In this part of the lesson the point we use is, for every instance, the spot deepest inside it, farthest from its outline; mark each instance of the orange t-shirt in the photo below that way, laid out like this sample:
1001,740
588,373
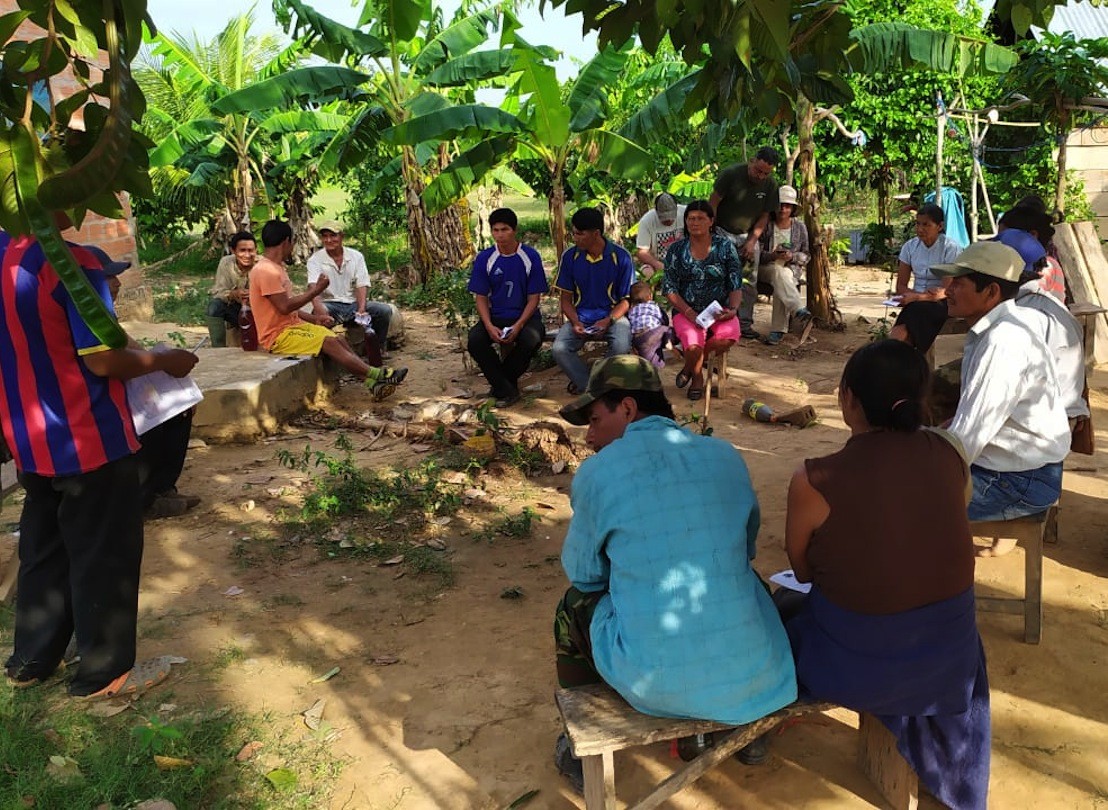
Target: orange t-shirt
266,278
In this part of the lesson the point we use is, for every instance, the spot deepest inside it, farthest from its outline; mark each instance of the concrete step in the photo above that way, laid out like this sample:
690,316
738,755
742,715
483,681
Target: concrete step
248,394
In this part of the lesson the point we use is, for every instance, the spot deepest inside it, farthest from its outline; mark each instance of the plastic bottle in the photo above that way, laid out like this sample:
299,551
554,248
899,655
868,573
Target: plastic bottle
247,329
758,411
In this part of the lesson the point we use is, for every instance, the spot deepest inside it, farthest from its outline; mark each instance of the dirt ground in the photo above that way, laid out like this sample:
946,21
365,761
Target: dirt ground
465,716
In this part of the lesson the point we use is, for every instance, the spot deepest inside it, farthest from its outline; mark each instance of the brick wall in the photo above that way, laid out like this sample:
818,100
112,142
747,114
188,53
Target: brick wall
115,236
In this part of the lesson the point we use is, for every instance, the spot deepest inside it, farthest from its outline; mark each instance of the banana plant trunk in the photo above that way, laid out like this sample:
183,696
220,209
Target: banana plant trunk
556,203
437,243
305,241
821,301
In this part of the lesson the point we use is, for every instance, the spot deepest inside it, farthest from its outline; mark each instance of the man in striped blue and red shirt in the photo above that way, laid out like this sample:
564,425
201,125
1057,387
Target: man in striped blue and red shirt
67,423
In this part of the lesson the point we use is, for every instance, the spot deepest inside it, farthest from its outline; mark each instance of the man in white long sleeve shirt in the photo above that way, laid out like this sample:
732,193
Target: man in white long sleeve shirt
1011,419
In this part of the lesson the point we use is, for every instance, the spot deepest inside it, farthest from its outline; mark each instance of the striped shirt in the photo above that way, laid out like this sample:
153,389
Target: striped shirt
59,418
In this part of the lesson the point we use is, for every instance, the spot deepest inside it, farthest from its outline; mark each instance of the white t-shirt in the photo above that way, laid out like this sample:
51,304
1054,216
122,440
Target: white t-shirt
344,280
656,237
922,258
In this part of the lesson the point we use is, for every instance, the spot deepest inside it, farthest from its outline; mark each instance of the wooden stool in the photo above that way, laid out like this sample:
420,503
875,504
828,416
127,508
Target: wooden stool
881,762
718,361
599,722
1031,531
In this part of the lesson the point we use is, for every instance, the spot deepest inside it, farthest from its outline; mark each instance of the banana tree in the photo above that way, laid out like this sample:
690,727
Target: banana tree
214,154
401,43
536,120
50,164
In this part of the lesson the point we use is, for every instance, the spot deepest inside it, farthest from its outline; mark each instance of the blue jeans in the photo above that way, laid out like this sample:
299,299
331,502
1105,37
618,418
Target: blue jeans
568,344
1008,495
380,315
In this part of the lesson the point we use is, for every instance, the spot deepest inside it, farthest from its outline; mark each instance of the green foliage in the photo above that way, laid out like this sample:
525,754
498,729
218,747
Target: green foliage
517,526
877,242
446,292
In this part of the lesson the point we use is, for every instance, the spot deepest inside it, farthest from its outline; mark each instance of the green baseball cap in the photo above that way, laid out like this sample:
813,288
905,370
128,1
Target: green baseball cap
624,372
988,258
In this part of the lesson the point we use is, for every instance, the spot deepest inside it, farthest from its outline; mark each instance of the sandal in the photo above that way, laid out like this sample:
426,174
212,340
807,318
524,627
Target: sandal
136,681
801,417
683,378
695,393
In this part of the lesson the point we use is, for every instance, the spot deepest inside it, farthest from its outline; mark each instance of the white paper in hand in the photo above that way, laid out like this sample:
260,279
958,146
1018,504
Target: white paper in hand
708,316
156,398
787,579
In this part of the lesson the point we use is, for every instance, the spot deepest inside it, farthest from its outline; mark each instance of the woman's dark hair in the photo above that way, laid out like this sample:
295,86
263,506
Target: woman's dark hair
588,219
1029,218
504,216
1008,289
890,380
932,212
275,232
698,205
241,236
651,403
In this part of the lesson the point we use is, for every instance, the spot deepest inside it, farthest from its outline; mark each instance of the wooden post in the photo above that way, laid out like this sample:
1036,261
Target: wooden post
880,760
975,145
941,108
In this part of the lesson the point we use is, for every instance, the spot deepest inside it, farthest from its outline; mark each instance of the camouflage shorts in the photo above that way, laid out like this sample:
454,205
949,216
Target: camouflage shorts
572,644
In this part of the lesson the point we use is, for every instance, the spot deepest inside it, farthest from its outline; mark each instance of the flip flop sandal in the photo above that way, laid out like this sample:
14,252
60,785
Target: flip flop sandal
683,378
801,417
27,684
695,393
135,682
573,389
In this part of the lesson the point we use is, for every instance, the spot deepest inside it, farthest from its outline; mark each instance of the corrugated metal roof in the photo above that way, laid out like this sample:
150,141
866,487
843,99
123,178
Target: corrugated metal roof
1085,20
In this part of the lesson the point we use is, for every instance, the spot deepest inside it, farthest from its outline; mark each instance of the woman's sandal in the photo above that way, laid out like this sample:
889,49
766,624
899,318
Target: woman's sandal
695,393
683,379
136,681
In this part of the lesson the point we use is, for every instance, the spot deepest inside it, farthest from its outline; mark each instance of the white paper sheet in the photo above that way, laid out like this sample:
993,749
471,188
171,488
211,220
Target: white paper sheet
787,579
156,398
708,315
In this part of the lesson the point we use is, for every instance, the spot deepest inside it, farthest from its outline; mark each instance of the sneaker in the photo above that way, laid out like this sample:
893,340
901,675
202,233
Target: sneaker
384,384
773,338
568,765
754,753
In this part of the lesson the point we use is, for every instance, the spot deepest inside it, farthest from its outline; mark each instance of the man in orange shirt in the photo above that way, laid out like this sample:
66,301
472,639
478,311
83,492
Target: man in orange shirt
282,329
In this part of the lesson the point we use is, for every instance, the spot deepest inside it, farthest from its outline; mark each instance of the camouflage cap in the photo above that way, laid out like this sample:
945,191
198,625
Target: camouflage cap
624,372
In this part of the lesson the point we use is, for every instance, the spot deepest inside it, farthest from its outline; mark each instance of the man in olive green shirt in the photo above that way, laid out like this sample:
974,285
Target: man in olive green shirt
744,197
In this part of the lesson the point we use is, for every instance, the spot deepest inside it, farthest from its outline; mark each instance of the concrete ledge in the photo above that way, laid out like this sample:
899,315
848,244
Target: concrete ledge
248,394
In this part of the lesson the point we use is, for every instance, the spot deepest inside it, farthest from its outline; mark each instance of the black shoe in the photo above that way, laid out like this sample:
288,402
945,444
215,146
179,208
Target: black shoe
754,753
568,765
508,399
751,334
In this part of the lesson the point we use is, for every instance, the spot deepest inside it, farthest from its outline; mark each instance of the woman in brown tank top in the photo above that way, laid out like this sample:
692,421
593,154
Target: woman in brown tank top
880,530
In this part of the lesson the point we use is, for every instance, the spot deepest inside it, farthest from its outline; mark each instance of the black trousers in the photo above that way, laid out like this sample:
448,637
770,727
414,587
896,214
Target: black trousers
923,320
80,552
162,456
503,375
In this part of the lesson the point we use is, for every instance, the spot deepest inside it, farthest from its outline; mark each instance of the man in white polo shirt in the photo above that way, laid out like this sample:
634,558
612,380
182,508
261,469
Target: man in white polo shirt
345,297
1011,418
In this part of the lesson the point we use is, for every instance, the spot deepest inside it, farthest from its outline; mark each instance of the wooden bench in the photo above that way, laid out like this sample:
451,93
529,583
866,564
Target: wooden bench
599,723
1031,532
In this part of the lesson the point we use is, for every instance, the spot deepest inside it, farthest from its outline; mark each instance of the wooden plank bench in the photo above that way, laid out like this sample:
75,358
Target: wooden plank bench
599,723
1030,532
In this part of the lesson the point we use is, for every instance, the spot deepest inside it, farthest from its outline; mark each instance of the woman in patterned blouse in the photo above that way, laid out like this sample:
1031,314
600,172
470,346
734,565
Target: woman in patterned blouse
701,270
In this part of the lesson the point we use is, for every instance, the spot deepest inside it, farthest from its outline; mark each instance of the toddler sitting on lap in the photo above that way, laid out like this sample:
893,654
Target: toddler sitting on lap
649,325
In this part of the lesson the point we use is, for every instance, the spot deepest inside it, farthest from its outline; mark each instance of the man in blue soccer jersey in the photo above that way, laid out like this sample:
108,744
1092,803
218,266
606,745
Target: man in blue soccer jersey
507,282
594,279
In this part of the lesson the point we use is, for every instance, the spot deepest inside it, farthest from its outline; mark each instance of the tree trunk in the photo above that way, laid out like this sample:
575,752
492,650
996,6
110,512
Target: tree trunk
821,301
556,203
305,241
1062,136
427,253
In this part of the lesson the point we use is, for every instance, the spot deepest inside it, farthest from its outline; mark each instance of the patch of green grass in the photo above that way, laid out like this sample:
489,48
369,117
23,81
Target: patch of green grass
518,526
183,303
111,759
228,655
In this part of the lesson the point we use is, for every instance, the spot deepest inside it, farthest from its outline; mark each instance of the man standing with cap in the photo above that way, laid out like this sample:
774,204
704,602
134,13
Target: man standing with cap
662,591
1011,418
743,198
659,228
345,297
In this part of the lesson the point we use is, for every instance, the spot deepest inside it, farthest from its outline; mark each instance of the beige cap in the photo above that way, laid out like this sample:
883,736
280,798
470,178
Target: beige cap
988,258
787,194
332,225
